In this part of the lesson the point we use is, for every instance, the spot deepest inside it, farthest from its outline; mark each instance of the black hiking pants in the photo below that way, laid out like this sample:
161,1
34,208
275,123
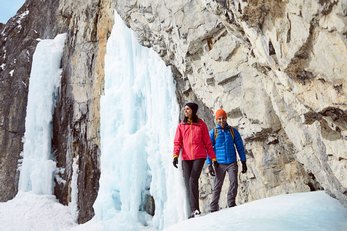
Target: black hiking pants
191,173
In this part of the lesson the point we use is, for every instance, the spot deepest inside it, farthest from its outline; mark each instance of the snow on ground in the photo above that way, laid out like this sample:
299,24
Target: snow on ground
313,211
31,212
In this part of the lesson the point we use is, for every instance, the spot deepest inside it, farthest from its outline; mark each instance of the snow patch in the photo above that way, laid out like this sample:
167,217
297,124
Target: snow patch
29,211
22,16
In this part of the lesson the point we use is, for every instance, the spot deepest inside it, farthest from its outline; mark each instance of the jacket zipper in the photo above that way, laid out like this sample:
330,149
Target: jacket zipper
191,142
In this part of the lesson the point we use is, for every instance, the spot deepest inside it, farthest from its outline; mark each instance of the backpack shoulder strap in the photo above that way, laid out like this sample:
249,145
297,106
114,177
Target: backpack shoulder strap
232,132
215,134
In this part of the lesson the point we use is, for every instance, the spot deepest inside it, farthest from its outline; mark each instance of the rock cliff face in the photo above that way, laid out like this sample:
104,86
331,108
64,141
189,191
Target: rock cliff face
277,67
76,119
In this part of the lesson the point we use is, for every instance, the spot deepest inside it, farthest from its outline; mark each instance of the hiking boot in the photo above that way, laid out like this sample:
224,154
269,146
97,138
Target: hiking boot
232,205
196,213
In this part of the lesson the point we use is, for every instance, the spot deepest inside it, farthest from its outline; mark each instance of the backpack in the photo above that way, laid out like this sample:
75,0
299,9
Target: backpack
216,133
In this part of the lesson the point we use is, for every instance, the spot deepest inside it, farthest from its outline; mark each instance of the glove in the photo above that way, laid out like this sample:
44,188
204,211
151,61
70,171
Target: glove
175,162
244,167
211,170
215,164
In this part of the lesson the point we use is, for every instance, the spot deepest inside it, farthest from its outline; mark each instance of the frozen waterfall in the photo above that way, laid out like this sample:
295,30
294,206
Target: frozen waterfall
139,114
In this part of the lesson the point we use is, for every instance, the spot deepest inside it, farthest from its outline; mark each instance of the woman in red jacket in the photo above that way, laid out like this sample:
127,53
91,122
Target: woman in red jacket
193,139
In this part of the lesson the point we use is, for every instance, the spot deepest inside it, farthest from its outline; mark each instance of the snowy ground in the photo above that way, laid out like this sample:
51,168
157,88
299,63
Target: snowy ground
314,211
29,211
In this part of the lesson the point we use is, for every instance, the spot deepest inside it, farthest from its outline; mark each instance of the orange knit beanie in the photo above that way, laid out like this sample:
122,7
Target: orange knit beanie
221,112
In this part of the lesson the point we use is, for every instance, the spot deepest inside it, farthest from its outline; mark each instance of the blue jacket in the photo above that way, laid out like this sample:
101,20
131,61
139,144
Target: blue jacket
224,145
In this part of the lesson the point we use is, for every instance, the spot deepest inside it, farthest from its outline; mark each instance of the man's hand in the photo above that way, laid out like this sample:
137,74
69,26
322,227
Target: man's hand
244,167
215,164
211,170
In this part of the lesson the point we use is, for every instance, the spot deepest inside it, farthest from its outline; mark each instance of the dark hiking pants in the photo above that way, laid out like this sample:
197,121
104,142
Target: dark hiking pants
191,173
231,169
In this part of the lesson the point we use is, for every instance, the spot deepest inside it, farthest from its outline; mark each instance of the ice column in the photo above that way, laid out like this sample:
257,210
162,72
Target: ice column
139,114
38,166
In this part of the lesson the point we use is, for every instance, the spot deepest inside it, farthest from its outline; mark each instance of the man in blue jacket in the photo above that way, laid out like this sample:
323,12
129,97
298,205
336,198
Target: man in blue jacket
224,140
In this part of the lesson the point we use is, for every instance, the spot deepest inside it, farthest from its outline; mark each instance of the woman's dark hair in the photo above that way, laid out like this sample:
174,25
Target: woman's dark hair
194,107
195,119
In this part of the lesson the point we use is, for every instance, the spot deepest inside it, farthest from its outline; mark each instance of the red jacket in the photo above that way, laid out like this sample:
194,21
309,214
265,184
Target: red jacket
194,140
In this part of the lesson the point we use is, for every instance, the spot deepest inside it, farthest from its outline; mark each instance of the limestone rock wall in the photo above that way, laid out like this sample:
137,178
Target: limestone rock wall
76,121
276,67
